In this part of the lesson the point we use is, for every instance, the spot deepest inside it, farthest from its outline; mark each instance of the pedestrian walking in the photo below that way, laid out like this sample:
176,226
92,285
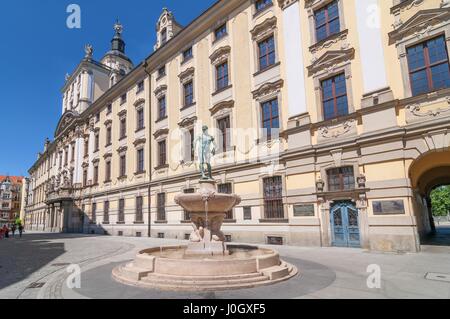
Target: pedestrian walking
13,230
20,230
1,233
6,231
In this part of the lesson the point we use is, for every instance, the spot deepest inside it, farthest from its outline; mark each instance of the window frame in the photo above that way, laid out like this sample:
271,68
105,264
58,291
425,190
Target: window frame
267,54
122,165
428,65
187,95
162,153
327,22
268,133
221,77
223,29
160,114
161,207
334,96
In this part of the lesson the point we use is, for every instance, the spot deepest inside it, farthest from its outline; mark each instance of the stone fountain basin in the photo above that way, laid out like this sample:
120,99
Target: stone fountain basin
170,268
173,261
218,203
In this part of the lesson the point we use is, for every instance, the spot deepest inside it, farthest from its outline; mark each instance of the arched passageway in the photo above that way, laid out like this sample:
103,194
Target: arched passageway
428,173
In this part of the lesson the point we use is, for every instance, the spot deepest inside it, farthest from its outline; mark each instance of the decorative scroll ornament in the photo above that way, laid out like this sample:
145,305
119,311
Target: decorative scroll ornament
337,130
417,110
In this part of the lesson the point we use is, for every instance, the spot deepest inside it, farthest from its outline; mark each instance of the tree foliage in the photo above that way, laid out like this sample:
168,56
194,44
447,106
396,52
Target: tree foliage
440,199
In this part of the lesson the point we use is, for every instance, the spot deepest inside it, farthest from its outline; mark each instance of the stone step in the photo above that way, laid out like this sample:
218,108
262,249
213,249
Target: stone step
205,278
134,273
194,283
276,272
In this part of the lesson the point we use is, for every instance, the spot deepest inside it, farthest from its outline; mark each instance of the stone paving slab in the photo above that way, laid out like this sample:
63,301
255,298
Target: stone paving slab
324,272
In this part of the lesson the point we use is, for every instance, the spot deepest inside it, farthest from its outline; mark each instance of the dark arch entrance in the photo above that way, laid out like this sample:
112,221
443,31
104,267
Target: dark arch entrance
427,174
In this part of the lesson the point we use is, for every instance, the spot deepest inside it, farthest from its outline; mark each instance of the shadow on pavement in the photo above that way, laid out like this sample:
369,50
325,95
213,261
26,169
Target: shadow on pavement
440,238
21,257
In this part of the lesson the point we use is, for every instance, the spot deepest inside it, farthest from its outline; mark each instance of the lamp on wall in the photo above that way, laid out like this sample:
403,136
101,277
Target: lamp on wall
320,184
361,181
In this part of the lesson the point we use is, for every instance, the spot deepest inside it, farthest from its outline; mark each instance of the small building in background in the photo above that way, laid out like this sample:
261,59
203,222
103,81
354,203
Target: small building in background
10,198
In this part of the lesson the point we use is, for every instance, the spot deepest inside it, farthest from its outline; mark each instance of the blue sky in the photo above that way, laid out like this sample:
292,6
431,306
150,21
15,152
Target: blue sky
37,50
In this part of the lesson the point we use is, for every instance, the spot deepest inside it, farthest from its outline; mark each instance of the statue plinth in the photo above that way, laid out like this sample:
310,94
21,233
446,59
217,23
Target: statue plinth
207,209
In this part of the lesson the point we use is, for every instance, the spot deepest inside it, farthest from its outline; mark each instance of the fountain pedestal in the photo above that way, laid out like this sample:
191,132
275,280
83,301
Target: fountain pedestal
207,209
207,263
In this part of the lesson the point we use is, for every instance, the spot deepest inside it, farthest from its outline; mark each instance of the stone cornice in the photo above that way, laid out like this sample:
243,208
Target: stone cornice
267,89
264,29
122,149
220,55
329,59
139,102
160,90
221,106
283,4
188,122
107,155
122,113
187,74
421,22
161,132
139,141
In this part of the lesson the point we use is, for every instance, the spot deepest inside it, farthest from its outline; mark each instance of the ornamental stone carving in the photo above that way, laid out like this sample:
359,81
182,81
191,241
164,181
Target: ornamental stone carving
427,109
420,24
187,75
339,37
220,55
330,60
268,89
139,102
335,131
225,105
264,29
187,122
160,91
286,3
161,132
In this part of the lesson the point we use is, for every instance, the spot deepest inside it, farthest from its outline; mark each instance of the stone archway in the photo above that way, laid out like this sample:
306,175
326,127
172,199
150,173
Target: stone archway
429,171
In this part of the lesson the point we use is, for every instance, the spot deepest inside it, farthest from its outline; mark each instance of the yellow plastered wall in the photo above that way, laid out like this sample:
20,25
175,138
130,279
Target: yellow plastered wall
300,181
385,171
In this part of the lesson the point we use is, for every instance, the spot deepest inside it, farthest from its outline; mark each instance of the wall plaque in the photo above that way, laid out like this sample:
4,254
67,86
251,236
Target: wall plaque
388,207
304,210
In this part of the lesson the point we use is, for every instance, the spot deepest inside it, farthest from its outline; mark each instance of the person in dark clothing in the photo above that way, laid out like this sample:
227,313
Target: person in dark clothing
6,231
20,230
13,230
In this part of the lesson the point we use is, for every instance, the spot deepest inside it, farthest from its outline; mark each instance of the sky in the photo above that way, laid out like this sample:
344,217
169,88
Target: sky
37,49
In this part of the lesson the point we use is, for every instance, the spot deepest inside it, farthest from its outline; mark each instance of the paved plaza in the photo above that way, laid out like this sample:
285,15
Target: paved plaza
35,266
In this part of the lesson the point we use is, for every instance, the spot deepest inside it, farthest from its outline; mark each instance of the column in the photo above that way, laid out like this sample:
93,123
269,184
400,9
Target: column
294,64
371,45
79,142
91,150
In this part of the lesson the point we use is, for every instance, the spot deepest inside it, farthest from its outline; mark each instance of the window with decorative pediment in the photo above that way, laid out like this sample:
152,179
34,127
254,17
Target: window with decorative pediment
265,36
332,74
428,66
220,60
423,43
326,19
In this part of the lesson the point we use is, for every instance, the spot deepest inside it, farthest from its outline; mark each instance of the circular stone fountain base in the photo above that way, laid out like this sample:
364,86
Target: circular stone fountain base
170,268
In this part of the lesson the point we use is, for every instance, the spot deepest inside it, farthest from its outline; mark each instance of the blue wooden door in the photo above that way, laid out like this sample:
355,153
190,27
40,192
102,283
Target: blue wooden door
345,225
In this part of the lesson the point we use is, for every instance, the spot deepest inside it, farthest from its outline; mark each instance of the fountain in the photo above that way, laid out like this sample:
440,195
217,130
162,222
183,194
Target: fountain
207,263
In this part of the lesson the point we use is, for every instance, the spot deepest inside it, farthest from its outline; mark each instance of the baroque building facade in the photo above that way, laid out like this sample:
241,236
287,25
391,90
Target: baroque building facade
10,199
330,117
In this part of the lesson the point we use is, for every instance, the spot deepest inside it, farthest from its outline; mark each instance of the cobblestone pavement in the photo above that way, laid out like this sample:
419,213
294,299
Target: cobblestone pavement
40,258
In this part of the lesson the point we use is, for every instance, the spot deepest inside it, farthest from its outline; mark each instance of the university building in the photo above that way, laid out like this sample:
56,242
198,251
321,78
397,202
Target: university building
331,119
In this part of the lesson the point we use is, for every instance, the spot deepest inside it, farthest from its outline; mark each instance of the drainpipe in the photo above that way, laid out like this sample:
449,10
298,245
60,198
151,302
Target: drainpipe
149,230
